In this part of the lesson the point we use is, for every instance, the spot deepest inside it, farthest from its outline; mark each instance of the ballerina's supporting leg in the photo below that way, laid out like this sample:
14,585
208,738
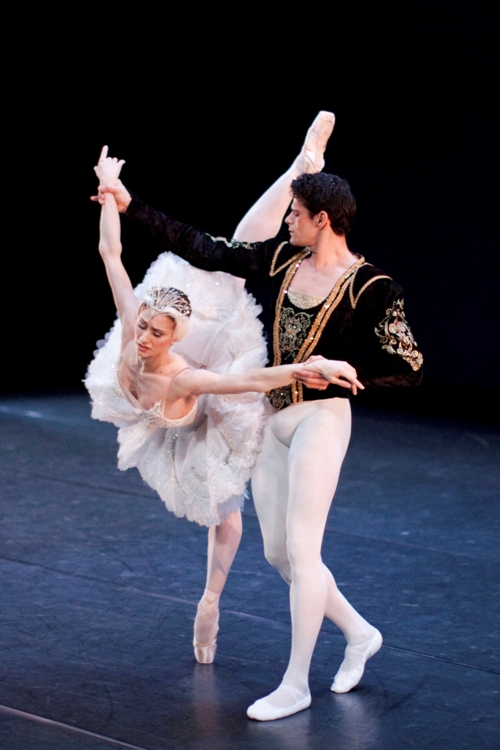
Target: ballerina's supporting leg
264,218
317,448
223,543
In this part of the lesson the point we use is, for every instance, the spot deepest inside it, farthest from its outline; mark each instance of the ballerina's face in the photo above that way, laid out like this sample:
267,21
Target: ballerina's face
153,333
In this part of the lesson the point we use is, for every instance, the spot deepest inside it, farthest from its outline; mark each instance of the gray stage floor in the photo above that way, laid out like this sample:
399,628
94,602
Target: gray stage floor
100,583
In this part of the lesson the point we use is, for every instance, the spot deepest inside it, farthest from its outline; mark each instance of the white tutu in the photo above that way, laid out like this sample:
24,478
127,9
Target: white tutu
200,470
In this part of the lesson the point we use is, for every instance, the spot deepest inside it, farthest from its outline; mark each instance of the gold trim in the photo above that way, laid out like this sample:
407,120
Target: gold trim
273,270
277,313
355,300
300,389
322,318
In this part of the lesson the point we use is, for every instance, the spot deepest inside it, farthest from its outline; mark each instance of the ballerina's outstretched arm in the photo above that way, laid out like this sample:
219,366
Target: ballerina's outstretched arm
195,382
110,246
264,219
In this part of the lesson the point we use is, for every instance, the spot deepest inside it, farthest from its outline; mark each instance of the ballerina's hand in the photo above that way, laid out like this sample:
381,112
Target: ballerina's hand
108,170
336,372
309,378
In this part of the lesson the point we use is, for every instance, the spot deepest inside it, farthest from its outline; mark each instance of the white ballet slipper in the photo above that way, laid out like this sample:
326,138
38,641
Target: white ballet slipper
263,710
311,158
345,680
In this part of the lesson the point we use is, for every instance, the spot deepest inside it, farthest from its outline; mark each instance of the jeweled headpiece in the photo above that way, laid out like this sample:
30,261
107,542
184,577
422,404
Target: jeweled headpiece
171,302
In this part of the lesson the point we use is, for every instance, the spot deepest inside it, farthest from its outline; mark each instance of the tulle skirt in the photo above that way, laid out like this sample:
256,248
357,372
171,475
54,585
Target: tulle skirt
200,470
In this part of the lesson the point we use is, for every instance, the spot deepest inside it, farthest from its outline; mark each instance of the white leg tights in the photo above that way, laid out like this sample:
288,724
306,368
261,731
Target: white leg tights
223,543
293,487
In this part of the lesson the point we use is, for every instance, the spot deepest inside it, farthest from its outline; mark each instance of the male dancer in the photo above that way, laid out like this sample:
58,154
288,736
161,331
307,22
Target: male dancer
318,299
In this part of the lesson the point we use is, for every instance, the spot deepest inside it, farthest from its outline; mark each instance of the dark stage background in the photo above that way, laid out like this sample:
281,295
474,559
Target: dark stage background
205,127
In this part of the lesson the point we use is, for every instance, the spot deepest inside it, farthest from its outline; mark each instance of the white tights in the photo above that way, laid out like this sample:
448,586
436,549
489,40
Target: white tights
223,543
293,485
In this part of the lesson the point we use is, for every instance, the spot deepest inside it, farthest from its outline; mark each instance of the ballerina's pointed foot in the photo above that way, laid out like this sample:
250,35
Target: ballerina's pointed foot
205,652
206,627
352,668
284,701
311,158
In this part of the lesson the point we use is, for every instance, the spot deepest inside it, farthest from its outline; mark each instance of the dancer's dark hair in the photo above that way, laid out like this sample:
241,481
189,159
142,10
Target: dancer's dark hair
330,193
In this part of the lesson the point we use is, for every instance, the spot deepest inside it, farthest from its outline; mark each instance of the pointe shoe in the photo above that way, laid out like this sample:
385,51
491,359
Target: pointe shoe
311,158
262,710
205,653
345,681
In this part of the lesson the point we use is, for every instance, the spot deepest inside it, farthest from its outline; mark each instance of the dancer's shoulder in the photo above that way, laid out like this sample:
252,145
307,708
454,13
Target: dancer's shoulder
370,281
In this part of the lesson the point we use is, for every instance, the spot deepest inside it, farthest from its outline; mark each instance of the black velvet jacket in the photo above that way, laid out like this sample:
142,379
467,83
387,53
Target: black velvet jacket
362,321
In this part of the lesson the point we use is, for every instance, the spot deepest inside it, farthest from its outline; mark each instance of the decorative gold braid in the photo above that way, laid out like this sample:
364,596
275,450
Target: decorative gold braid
273,270
322,318
318,326
351,286
300,389
355,300
279,304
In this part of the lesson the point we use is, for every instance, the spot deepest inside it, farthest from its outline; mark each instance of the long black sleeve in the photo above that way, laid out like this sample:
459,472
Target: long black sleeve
249,260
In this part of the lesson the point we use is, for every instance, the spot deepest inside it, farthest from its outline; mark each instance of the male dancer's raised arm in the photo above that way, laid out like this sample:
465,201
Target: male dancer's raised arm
246,260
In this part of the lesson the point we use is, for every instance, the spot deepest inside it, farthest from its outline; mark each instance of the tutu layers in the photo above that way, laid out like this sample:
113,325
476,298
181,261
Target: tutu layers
199,470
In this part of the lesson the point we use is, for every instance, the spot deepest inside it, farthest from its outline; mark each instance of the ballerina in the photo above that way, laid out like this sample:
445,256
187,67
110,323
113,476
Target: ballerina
173,417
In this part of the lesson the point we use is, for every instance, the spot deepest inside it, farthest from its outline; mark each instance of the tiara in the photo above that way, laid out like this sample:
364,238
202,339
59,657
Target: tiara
165,300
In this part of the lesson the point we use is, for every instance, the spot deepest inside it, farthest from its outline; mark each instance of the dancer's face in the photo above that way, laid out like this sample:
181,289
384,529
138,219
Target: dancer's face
302,226
153,333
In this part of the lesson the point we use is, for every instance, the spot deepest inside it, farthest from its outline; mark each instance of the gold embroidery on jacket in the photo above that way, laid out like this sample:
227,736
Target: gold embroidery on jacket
293,330
231,243
396,337
294,327
314,334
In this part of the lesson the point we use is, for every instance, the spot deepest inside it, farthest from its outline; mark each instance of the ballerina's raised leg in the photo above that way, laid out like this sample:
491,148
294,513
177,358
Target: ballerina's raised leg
264,218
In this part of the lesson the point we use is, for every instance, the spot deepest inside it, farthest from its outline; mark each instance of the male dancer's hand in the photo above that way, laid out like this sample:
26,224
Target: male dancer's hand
108,170
333,371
